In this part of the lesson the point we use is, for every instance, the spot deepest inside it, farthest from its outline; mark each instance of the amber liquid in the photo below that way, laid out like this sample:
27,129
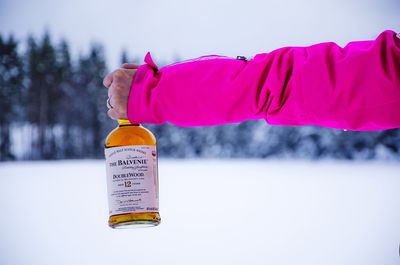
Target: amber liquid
131,134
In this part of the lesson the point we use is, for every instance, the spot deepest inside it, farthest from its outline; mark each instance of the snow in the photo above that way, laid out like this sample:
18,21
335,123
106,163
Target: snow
213,212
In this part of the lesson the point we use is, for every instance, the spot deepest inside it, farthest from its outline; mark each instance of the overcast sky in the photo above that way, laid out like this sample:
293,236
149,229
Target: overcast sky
194,28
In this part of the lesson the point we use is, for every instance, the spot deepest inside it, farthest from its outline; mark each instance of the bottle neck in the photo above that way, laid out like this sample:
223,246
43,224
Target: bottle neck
122,122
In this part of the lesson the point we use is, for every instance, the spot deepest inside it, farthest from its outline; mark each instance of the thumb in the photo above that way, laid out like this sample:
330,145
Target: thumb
130,66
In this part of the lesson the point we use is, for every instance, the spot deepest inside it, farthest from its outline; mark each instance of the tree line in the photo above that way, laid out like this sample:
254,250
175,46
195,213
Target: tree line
53,107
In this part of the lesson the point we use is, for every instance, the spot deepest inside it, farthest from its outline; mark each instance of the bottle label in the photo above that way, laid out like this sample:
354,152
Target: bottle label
132,181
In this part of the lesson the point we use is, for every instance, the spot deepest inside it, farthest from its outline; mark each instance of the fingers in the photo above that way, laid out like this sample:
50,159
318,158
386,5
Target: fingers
122,81
118,103
119,84
108,79
115,115
118,93
117,107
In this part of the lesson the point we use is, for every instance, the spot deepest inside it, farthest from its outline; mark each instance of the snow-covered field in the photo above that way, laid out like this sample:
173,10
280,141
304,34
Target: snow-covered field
213,212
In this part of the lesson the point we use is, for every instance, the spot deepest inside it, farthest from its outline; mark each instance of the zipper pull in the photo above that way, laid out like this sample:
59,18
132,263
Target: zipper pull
243,58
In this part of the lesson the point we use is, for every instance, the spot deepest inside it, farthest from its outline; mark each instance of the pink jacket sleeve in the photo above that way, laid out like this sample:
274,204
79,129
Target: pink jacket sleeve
356,87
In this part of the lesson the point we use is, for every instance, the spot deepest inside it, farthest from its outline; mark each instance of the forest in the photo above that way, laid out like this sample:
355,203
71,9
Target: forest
53,106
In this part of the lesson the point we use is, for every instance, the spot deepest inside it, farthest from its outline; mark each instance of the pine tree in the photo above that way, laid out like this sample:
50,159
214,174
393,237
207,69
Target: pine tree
66,110
91,101
44,96
125,58
11,93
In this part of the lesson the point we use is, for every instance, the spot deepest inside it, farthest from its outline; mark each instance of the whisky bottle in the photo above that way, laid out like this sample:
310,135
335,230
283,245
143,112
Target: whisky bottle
132,176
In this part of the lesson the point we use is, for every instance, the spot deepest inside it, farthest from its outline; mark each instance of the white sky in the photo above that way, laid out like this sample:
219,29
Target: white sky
198,27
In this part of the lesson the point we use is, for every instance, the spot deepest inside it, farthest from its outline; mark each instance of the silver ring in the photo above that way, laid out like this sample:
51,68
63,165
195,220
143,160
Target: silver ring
109,104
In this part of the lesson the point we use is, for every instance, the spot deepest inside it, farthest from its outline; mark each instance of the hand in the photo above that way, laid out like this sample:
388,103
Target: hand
119,84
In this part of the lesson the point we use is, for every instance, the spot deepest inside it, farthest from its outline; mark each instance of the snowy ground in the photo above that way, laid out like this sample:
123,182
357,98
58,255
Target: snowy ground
213,212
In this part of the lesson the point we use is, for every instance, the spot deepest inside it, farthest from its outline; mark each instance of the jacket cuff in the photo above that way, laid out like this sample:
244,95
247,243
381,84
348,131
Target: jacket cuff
140,90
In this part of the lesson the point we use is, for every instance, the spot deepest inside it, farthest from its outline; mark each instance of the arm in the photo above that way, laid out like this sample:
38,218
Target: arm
356,87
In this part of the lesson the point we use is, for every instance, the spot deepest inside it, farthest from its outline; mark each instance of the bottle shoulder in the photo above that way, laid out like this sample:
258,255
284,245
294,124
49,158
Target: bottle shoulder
130,135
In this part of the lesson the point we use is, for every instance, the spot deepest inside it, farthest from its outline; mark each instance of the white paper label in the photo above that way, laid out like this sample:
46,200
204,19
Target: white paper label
132,181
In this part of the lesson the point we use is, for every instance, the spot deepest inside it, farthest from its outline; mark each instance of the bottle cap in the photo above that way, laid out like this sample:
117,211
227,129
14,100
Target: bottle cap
126,122
123,122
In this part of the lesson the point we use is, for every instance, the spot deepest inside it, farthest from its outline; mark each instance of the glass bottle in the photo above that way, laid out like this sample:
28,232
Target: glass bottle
132,176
